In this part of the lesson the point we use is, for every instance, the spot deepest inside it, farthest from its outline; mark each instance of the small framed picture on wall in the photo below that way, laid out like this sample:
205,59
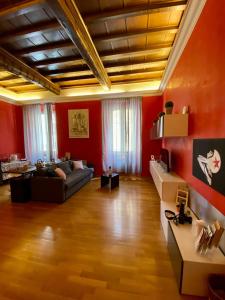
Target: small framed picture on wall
78,120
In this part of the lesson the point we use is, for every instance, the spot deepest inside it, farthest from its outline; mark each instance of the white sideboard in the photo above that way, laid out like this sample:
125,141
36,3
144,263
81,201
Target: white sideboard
166,183
191,268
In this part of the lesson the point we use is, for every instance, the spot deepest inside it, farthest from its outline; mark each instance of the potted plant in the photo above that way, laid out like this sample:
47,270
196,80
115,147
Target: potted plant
169,107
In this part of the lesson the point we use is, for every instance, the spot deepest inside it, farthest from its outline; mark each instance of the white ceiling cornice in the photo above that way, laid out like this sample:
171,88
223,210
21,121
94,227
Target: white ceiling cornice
98,97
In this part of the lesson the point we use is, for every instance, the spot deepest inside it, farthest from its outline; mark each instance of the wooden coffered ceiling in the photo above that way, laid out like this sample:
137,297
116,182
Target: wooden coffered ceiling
63,46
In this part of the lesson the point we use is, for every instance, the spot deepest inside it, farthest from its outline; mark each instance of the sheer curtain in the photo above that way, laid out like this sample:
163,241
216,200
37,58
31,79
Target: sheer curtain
40,132
121,134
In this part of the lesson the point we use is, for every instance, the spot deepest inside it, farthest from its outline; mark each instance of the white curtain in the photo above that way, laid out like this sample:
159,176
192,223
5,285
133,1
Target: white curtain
40,132
121,134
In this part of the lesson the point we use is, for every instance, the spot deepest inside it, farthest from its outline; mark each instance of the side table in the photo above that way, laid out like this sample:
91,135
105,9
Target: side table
20,188
111,180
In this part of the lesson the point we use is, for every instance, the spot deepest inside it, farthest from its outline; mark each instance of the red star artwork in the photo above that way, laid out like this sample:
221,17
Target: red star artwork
216,162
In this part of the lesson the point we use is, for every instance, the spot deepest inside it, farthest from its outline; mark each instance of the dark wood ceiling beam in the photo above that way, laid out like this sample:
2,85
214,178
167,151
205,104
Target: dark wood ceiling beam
76,60
21,8
135,52
148,79
105,38
133,72
108,67
42,48
8,78
105,56
19,68
70,18
66,70
121,36
29,31
18,84
115,67
72,78
114,83
135,11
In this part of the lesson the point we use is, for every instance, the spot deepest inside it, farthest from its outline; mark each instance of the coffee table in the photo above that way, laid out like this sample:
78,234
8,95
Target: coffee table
110,180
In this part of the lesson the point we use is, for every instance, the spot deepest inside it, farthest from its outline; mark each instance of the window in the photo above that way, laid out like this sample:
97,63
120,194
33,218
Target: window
122,135
43,126
40,132
116,131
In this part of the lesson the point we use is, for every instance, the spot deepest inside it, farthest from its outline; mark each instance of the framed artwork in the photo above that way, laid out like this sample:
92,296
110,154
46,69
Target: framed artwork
209,162
78,123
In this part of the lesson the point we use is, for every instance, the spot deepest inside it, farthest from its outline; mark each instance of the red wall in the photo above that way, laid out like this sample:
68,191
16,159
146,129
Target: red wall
89,149
199,81
151,106
11,129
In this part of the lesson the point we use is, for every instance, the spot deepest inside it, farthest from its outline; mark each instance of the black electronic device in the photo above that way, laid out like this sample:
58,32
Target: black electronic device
180,218
165,159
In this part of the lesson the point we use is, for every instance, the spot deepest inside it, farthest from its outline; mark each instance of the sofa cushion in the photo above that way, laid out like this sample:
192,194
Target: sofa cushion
59,172
78,164
66,167
76,176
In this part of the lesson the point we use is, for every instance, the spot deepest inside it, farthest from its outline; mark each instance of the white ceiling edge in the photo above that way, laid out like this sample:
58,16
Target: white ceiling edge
146,88
8,100
8,96
191,15
93,97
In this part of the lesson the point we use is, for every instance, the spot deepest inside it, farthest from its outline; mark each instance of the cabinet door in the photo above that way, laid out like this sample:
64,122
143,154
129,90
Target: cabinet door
175,256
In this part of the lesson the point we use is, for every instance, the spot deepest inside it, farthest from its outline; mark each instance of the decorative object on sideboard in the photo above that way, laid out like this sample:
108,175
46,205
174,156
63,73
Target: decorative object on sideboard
209,237
182,197
169,107
180,218
67,156
110,171
13,157
208,163
39,164
185,109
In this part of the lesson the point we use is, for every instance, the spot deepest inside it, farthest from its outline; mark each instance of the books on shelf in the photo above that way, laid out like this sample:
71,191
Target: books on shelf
209,237
217,234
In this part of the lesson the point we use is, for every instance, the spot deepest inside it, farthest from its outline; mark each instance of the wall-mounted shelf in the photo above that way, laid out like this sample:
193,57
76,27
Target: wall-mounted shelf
174,125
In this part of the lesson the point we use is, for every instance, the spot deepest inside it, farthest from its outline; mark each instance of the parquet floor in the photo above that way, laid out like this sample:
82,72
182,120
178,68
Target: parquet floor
99,245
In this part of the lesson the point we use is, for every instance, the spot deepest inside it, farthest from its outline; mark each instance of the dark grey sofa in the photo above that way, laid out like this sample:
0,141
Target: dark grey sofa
45,186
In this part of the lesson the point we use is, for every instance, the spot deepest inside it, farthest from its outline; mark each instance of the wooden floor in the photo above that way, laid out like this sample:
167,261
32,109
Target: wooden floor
99,245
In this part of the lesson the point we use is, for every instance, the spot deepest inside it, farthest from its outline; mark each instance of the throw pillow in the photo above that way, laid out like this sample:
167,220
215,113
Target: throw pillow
59,172
78,164
65,166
